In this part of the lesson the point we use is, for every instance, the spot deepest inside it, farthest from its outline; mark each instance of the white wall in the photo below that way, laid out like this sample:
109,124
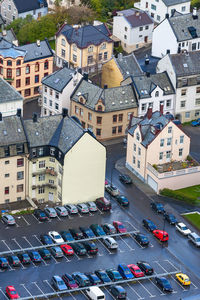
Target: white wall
165,64
42,10
10,107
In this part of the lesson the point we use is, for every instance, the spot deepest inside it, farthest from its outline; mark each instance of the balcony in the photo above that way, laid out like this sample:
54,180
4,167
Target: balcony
47,184
45,171
8,79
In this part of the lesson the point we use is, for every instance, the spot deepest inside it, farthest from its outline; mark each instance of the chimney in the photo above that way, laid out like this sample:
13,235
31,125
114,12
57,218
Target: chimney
149,112
161,108
64,112
1,119
148,74
4,32
168,51
194,13
35,116
146,61
19,112
130,121
167,16
38,43
80,70
16,43
120,56
105,86
85,76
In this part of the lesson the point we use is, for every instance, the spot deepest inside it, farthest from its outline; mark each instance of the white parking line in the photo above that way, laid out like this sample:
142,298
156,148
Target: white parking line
52,288
171,264
162,294
105,247
72,296
151,296
101,213
178,283
134,228
194,285
6,245
25,220
140,298
35,236
4,294
17,243
27,290
39,289
27,241
131,249
65,257
137,242
36,219
109,292
161,266
79,258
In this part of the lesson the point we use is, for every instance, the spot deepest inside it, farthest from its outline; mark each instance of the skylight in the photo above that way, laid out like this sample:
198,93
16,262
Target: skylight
57,80
185,65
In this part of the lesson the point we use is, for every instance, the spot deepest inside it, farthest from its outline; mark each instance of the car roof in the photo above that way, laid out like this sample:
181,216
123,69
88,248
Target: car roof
181,224
9,217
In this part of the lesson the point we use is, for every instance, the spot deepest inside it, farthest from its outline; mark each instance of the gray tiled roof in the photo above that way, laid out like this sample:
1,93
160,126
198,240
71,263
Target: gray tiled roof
59,79
174,2
181,23
10,36
138,18
8,92
186,64
116,98
33,51
145,85
1,20
128,65
27,5
11,131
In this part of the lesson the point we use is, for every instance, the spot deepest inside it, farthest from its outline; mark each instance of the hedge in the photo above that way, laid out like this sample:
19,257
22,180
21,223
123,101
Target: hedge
179,196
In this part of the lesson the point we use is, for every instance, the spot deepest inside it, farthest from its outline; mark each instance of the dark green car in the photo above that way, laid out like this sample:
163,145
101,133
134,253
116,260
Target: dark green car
122,200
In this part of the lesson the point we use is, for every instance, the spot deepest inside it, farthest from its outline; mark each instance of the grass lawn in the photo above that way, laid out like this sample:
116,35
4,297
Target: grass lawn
193,218
52,44
192,191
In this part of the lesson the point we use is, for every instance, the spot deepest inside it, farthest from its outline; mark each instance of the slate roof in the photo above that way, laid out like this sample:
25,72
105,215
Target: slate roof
186,64
183,25
59,79
114,99
138,18
34,52
145,85
174,2
2,22
86,35
128,65
27,5
8,93
10,35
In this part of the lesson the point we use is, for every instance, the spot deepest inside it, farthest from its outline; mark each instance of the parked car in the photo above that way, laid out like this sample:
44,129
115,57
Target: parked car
11,292
81,279
136,270
112,190
170,218
67,249
72,209
125,271
164,284
125,178
40,215
61,211
24,258
76,233
8,219
91,247
58,283
196,123
157,207
119,227
45,253
50,212
14,260
91,206
141,239
149,225
69,281
97,229
109,228
145,267
3,263
83,208
46,239
118,292
35,256
182,228
183,279
161,235
79,249
87,232
103,204
114,274
56,252
194,238
66,235
103,276
56,237
94,279
110,243
122,200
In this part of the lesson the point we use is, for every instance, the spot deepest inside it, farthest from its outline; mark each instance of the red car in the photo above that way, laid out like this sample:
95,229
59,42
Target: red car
119,226
163,236
11,292
135,270
67,249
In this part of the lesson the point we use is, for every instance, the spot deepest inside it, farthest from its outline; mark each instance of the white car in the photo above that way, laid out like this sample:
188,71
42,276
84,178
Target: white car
50,211
110,243
182,228
56,237
61,211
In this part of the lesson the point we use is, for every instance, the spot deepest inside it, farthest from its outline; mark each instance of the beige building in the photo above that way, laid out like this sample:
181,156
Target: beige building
84,47
157,152
104,111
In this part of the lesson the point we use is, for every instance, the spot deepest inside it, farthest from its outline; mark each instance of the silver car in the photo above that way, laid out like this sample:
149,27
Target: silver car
56,252
72,209
61,211
110,243
82,208
8,219
50,211
92,206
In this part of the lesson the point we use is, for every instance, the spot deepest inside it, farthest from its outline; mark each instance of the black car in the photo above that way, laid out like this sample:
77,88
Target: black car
87,232
24,258
40,215
149,225
118,292
164,284
94,279
14,260
67,237
103,276
145,267
157,207
122,200
91,247
141,239
109,228
45,253
46,239
81,279
79,248
3,263
77,234
125,178
170,218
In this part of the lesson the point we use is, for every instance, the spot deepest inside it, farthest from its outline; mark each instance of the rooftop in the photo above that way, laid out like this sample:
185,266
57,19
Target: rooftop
185,64
9,35
137,18
128,65
27,5
8,92
174,2
176,165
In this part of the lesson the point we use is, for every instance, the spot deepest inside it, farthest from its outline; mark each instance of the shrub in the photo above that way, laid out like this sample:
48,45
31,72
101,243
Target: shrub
155,166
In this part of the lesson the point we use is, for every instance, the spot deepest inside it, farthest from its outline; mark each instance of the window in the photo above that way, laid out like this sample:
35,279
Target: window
170,129
180,152
52,151
76,110
198,90
137,136
147,4
6,190
45,89
37,67
103,46
9,63
7,175
57,95
184,81
183,8
100,56
146,27
157,94
114,130
1,61
74,58
134,160
90,59
183,44
139,151
120,117
140,28
89,116
197,101
181,139
18,62
160,155
18,72
18,83
19,198
20,175
99,120
40,151
125,36
36,78
129,115
45,100
90,49
46,74
119,129
51,92
153,6
105,55
63,53
168,154
143,107
1,70
27,69
187,115
99,108
50,103
56,106
138,164
162,143
168,103
158,18
42,164
183,104
33,152
20,188
9,73
114,118
74,47
51,159
63,42
20,162
183,92
169,140
36,90
20,148
46,65
7,162
134,147
81,112
27,80
27,92
6,151
41,190
98,132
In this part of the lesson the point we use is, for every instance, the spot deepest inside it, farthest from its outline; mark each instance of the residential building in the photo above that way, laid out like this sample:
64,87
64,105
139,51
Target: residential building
177,34
118,69
13,159
25,66
133,28
64,3
13,9
184,72
159,8
57,89
157,152
10,100
9,36
2,21
104,111
85,47
153,90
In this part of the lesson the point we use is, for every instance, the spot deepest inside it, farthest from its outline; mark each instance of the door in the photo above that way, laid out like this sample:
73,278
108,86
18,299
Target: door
146,39
50,196
152,183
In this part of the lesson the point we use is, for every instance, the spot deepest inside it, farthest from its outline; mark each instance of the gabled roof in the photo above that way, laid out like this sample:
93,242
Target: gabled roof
9,35
34,52
174,2
8,93
128,65
28,5
138,18
185,27
186,64
86,35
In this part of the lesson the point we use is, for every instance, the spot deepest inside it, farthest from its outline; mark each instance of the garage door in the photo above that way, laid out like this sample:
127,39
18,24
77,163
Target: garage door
153,184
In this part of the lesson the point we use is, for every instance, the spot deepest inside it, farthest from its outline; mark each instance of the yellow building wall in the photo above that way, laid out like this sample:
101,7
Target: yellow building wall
111,74
84,171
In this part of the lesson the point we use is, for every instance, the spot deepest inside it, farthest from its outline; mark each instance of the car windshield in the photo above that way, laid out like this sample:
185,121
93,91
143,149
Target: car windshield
198,239
126,272
114,188
159,205
186,279
57,236
36,255
184,228
13,292
120,226
165,281
137,271
60,282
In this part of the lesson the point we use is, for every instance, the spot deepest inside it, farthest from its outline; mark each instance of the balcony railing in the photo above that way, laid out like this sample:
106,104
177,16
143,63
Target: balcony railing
45,171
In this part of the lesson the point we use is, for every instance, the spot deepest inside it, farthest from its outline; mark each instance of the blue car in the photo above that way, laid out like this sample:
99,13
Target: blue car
103,276
125,271
35,256
98,230
87,232
3,263
114,274
81,279
45,239
94,279
67,237
58,283
196,122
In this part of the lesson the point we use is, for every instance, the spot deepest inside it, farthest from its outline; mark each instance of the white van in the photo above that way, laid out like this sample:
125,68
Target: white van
95,293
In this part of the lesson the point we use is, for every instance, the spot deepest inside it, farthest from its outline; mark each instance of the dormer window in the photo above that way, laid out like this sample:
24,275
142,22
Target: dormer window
99,108
63,42
52,151
81,100
9,63
90,49
103,46
157,94
137,136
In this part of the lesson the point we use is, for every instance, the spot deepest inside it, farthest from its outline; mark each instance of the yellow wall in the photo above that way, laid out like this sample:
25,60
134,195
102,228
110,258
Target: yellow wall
84,171
111,74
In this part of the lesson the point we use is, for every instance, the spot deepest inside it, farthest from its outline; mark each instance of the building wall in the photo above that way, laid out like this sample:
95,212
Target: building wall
111,74
65,3
8,11
36,14
165,64
79,185
10,108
